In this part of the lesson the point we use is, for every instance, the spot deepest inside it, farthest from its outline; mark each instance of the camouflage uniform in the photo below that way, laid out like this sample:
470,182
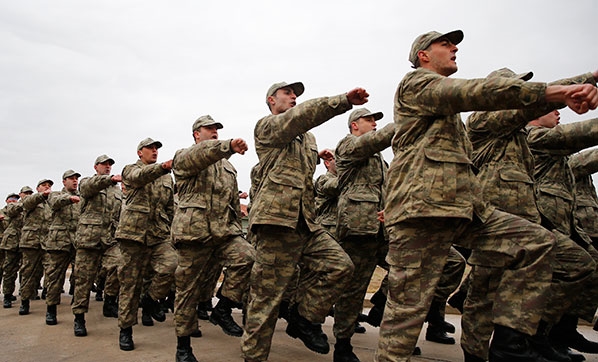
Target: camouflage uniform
143,234
555,195
506,174
435,200
583,165
207,226
3,225
101,201
36,223
282,217
326,188
10,246
361,179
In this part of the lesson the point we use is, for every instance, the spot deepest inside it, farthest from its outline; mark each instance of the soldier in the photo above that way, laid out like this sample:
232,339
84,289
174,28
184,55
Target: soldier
434,201
10,246
143,234
36,223
361,180
101,200
506,174
4,221
207,227
60,240
282,219
326,187
550,144
583,165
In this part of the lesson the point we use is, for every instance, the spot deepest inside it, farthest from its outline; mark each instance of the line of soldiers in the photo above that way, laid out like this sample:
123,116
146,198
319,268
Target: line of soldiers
502,188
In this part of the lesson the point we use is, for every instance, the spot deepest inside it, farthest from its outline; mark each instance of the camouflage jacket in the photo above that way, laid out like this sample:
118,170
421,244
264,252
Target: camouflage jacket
555,184
101,201
326,187
583,165
36,221
12,234
431,174
208,193
502,156
361,181
148,207
288,155
65,217
4,222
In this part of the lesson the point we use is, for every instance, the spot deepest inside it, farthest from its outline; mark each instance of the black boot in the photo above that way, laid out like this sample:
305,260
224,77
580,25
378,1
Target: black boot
435,333
44,293
202,310
343,351
153,308
509,345
358,328
196,333
146,318
184,352
374,317
309,333
468,357
222,316
7,301
125,339
79,325
24,309
565,333
283,310
457,300
99,295
51,315
110,307
540,343
435,316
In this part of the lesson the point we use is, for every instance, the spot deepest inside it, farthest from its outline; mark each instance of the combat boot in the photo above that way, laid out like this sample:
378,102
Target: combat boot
375,315
457,301
222,316
153,308
509,345
7,301
99,295
202,310
44,293
51,315
184,352
540,343
309,333
125,339
435,316
146,318
358,328
435,333
24,309
468,357
565,333
343,351
110,307
79,325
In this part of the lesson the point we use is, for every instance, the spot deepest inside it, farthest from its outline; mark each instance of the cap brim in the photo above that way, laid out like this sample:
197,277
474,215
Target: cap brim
455,36
377,115
297,87
525,76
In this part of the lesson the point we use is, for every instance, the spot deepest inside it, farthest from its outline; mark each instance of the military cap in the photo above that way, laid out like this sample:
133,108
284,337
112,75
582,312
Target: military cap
508,73
104,158
13,195
423,41
297,87
70,173
45,180
25,189
205,121
363,112
148,142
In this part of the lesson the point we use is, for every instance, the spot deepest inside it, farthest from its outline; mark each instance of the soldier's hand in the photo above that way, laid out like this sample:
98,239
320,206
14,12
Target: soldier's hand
75,199
581,98
238,145
46,193
167,165
357,96
326,155
243,195
1,217
116,178
381,216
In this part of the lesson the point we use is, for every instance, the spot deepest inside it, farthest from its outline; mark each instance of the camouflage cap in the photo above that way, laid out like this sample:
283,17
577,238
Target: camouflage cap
297,87
104,158
363,112
45,180
12,195
205,121
148,142
423,41
70,173
508,73
25,189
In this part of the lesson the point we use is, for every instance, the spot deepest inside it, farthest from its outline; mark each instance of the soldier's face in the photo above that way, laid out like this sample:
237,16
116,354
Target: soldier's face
44,187
70,183
550,120
103,168
148,154
207,133
441,57
363,125
283,100
11,200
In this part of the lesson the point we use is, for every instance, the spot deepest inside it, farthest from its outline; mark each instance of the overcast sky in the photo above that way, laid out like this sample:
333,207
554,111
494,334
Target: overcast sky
83,78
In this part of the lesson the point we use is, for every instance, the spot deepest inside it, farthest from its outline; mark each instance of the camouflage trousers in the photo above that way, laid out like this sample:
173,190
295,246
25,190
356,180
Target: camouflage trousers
451,277
136,259
572,268
57,262
209,279
326,270
418,251
30,272
586,301
12,260
110,262
362,251
87,263
235,253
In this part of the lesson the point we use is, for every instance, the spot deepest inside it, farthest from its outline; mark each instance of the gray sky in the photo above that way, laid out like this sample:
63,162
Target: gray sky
83,78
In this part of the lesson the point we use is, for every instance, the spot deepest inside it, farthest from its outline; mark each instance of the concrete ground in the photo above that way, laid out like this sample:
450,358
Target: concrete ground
28,338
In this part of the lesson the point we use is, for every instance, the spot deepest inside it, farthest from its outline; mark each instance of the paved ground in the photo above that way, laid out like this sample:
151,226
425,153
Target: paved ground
28,338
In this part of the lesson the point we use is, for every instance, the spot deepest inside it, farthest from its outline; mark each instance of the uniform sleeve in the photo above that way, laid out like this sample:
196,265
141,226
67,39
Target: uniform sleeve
191,161
137,175
354,148
58,200
30,202
584,164
564,139
91,186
